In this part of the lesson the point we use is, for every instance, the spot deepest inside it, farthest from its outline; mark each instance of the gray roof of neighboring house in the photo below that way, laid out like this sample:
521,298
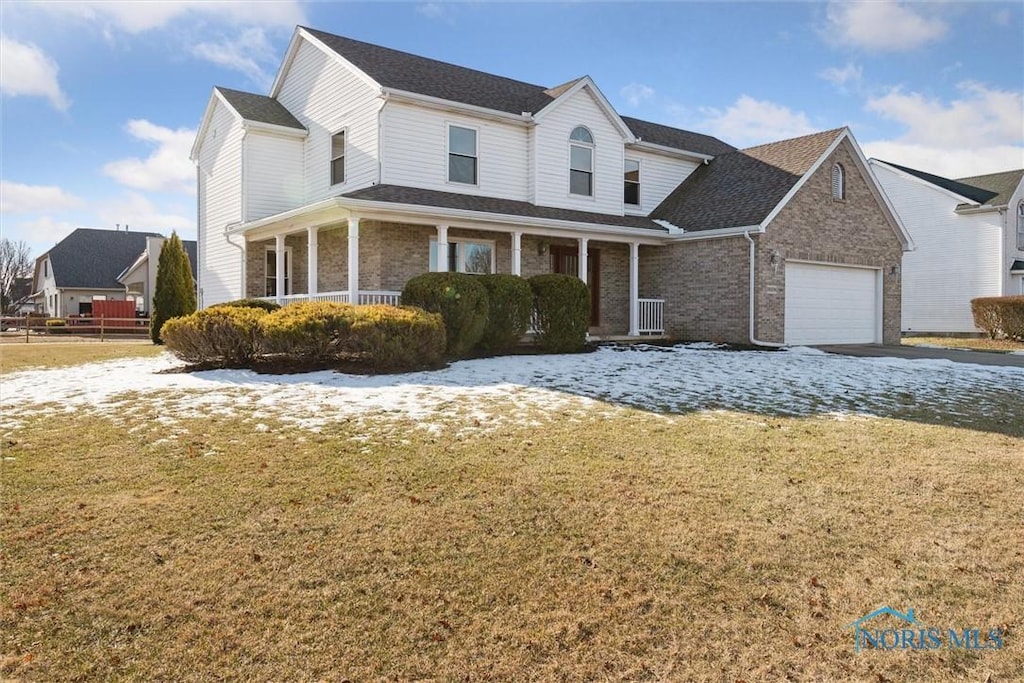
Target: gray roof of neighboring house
975,193
193,257
1017,266
1003,184
252,107
425,76
398,194
90,258
741,188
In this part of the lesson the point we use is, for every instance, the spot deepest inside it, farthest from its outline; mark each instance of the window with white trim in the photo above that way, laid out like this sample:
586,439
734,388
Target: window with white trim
631,182
270,288
466,256
1020,226
338,158
581,162
462,155
838,182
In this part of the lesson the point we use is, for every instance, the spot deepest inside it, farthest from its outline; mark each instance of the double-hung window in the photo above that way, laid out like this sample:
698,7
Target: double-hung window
462,155
466,256
1020,229
631,182
271,279
581,162
338,158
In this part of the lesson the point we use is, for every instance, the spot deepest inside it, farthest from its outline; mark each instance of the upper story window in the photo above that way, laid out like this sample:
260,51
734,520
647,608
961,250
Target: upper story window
581,162
1020,227
46,269
838,182
338,158
462,155
631,182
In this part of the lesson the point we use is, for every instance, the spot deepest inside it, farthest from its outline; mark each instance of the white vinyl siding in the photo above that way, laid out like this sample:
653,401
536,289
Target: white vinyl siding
220,203
327,97
415,151
551,146
659,175
273,174
957,257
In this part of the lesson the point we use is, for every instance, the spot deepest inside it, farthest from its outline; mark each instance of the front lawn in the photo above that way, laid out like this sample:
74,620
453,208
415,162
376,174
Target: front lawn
48,354
973,343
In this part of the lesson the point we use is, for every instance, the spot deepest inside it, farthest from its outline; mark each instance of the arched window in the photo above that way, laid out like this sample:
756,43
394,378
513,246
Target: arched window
581,162
838,182
1020,226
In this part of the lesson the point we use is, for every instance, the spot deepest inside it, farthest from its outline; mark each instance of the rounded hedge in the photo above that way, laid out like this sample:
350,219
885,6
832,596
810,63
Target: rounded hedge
561,312
310,330
459,298
509,305
395,337
220,336
268,306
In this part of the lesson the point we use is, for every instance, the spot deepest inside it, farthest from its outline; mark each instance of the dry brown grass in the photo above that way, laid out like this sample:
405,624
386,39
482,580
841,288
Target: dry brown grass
23,356
713,547
974,343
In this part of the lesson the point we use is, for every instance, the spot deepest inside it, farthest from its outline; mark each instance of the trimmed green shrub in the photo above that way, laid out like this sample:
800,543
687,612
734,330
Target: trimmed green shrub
268,306
459,298
220,336
561,312
997,315
310,330
175,291
509,305
396,337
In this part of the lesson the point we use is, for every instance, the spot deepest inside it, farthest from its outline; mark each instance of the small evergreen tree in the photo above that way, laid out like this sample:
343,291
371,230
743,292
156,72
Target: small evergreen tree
175,293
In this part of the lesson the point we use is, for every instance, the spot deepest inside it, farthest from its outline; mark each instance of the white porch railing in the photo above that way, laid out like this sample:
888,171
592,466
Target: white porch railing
365,297
651,314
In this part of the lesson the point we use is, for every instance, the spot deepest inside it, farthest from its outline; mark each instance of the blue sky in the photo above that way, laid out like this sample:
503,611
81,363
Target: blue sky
101,99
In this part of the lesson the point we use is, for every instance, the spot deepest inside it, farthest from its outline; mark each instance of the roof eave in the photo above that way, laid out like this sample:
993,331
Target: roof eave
263,126
715,233
394,94
671,151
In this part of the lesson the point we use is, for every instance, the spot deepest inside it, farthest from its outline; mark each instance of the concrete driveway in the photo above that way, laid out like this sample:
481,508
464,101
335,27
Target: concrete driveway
916,352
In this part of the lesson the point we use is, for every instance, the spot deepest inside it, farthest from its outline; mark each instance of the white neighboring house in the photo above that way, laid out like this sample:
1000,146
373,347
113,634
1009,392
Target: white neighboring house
139,279
969,235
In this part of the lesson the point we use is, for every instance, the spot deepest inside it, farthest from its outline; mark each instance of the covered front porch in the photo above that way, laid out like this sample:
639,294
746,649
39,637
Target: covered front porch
367,258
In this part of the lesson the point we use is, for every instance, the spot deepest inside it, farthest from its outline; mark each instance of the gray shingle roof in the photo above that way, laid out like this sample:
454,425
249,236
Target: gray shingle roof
970,191
89,258
1017,266
1003,185
397,194
424,76
741,188
252,107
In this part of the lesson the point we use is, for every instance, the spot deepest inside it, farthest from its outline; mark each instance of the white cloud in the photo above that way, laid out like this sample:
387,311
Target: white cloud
25,70
247,53
137,16
436,10
167,168
851,74
140,213
750,122
40,233
883,25
948,162
637,93
21,198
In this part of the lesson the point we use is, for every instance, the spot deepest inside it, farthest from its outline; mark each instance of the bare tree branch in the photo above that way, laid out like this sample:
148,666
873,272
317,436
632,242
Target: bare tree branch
15,264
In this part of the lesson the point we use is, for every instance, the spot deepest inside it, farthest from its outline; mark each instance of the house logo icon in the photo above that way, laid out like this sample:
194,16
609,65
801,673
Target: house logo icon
860,631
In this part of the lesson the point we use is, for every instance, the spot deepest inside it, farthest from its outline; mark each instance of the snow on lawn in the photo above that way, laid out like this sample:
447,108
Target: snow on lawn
480,393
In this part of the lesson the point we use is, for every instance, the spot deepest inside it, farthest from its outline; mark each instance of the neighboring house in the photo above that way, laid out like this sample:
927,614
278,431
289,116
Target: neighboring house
139,278
366,166
970,243
87,265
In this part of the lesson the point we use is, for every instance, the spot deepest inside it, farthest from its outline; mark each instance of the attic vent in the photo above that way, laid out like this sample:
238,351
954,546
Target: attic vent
838,182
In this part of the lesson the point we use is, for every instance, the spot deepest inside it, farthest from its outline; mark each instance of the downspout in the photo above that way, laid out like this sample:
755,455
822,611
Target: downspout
753,340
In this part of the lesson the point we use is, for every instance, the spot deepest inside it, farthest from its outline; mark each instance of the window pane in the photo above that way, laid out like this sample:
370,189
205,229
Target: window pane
581,158
631,170
476,258
462,141
461,169
580,182
271,263
581,134
631,193
453,256
338,171
432,267
337,145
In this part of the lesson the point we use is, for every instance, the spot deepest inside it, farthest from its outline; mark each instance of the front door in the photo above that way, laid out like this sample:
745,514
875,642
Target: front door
566,260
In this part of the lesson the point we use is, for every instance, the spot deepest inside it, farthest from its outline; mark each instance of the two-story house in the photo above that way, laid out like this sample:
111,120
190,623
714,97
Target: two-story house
365,166
969,234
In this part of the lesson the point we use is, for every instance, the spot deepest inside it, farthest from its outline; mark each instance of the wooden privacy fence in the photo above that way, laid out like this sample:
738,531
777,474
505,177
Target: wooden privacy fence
103,328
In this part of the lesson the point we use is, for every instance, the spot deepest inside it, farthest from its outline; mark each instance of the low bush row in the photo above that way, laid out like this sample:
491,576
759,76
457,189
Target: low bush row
1000,315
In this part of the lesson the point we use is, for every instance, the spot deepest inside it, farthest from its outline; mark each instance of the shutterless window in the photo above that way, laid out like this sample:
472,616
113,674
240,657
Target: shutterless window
1020,228
466,257
462,155
581,162
838,182
338,158
631,182
271,281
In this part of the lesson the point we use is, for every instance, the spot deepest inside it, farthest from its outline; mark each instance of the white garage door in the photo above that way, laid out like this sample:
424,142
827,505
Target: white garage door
831,304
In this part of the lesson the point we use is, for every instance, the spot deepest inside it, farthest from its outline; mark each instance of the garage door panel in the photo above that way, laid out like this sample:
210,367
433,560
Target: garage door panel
828,304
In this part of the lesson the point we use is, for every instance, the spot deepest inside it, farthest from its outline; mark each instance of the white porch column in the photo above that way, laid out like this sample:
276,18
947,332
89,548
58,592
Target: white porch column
311,260
634,289
583,259
442,248
279,263
353,259
517,253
